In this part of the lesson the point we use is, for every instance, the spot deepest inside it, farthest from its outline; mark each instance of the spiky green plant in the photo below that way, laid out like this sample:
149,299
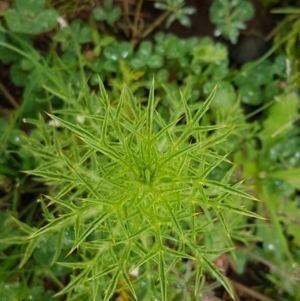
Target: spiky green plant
128,191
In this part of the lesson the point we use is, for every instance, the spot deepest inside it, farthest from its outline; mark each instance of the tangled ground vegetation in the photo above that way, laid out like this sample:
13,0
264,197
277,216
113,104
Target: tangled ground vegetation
140,164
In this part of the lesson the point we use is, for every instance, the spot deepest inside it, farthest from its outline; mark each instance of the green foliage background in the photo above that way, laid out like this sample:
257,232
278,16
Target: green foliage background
116,173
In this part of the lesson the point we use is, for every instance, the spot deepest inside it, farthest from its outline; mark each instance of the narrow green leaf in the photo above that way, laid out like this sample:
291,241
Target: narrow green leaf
215,139
58,247
207,128
198,279
205,107
72,284
105,123
150,110
109,270
76,265
216,252
28,252
88,185
132,129
148,257
75,129
91,140
178,254
91,228
112,285
192,219
162,277
103,94
48,175
77,226
95,290
178,153
168,208
239,210
203,194
63,221
188,114
227,188
134,108
24,227
112,154
65,190
162,123
128,282
208,170
64,204
163,131
219,276
15,240
221,218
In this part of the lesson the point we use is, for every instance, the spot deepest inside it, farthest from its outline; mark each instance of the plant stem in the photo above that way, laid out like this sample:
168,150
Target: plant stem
284,39
126,11
262,108
263,261
249,291
279,27
8,96
286,126
155,23
136,20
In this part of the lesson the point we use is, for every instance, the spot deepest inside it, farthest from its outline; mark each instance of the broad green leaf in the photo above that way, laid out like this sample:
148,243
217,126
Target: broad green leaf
114,15
291,176
99,14
30,6
209,54
280,119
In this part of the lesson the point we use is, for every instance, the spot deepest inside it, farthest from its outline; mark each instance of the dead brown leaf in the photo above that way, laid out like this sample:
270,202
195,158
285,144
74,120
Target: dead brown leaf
4,6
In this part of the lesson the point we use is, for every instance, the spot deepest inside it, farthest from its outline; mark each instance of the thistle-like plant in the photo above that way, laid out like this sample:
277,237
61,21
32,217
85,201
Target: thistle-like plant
129,192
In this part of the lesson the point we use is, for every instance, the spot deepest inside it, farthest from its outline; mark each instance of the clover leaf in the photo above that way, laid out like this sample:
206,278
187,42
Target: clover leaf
107,12
30,17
